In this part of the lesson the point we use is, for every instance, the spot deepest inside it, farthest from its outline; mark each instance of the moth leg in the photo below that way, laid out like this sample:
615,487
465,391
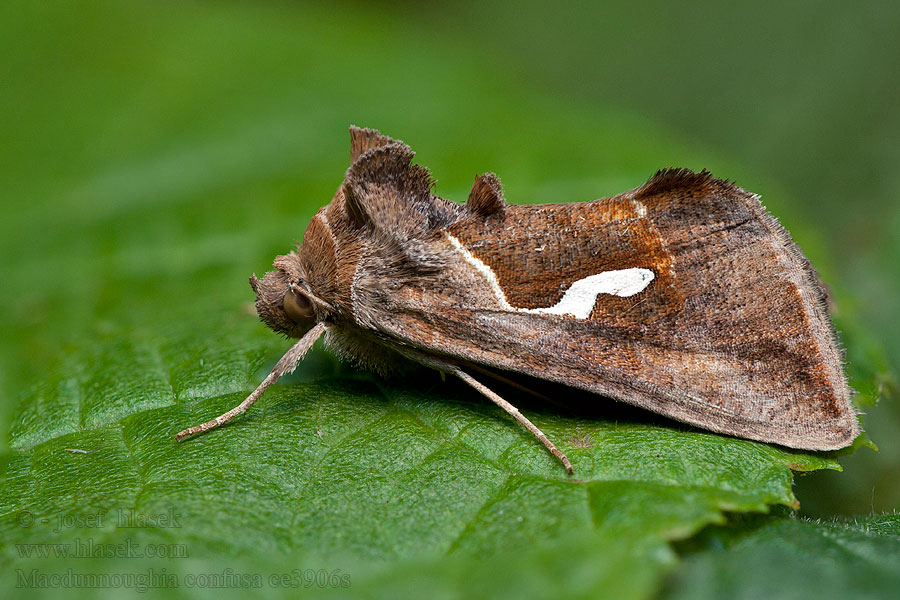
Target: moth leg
509,382
514,412
286,364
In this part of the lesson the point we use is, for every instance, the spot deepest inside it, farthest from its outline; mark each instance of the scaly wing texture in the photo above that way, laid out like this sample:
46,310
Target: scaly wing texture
731,334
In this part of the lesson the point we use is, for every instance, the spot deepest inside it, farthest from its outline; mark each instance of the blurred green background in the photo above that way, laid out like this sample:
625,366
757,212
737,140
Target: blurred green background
192,141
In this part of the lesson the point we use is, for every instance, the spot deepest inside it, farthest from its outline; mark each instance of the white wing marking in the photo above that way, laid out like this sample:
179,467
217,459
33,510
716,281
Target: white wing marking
581,296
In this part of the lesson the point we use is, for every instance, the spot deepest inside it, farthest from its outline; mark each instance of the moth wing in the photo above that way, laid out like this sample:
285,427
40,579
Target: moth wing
730,333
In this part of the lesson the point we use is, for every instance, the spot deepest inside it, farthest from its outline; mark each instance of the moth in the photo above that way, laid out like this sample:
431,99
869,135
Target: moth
682,296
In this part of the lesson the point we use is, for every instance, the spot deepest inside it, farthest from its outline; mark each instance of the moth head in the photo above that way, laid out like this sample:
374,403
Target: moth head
283,299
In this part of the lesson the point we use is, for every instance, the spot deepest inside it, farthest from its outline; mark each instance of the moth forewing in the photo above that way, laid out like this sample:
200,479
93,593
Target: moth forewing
730,334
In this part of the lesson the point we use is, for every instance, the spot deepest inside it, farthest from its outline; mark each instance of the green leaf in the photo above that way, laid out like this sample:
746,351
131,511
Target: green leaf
386,461
785,558
359,471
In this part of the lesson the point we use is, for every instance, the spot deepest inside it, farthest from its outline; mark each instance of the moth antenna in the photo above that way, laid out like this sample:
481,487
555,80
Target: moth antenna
514,413
286,364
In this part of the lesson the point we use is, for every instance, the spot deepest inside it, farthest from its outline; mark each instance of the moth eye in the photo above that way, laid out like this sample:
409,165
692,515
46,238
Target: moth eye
298,307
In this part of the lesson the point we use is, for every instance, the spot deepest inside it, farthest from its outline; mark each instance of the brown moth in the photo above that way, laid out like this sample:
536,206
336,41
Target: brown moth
683,296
